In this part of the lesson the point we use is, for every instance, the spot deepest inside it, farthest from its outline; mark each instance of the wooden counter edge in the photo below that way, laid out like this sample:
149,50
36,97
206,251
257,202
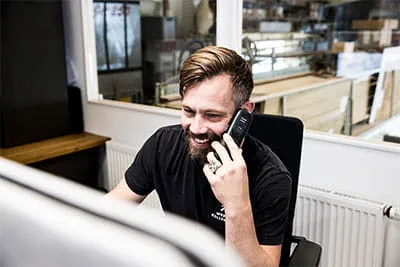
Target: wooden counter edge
177,96
259,97
52,148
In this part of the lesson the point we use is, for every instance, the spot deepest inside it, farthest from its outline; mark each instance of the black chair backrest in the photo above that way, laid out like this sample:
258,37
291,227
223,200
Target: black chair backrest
284,135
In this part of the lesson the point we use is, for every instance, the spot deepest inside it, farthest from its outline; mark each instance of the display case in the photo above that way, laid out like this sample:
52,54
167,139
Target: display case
283,37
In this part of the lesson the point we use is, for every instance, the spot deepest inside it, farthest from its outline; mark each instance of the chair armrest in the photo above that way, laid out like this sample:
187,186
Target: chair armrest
306,253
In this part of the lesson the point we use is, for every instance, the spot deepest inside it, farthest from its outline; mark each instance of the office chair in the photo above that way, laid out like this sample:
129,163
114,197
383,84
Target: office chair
284,135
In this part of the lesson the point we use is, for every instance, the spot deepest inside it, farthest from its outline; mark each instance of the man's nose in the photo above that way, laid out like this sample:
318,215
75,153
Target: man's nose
198,125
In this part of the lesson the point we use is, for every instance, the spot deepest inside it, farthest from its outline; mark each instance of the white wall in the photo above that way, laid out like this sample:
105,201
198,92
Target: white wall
369,169
128,126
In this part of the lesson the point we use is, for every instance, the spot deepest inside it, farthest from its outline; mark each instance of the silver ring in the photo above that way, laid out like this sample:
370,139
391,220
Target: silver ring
214,166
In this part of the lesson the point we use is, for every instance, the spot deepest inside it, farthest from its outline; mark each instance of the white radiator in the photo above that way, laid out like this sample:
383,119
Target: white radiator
350,230
119,158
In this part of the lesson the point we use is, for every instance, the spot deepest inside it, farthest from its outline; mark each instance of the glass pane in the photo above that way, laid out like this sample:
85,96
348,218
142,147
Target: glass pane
115,35
140,48
133,35
305,45
100,38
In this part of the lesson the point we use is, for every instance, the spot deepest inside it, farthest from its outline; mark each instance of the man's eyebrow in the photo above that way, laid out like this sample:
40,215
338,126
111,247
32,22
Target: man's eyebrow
223,113
185,106
215,111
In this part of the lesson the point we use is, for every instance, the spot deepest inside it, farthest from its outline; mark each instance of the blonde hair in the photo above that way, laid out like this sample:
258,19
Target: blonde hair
211,61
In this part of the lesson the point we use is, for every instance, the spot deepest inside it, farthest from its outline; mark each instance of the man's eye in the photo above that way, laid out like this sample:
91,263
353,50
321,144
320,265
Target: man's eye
213,116
188,111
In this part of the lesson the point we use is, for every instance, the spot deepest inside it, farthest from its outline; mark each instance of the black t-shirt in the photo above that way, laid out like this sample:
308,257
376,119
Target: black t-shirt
164,164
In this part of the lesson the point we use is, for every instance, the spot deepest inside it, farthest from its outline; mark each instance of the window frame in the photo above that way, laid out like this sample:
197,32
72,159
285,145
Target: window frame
228,35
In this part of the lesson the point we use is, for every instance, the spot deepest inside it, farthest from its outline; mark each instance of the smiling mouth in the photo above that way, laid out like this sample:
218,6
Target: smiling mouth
200,142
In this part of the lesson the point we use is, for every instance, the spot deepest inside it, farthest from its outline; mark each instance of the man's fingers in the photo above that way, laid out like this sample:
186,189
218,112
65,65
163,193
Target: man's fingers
235,151
211,177
221,151
213,163
211,157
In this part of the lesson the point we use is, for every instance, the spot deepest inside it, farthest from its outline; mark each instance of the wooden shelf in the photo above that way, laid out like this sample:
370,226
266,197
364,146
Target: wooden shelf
51,148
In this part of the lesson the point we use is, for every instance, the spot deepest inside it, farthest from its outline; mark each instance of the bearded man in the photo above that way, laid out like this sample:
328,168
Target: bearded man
240,192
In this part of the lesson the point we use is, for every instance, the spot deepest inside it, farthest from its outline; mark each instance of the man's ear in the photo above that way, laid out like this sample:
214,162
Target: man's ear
249,106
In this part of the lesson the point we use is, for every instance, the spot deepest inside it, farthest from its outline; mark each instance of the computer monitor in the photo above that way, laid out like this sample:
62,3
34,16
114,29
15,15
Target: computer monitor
46,220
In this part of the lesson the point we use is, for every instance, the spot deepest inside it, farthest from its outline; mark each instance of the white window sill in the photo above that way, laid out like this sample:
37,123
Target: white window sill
137,107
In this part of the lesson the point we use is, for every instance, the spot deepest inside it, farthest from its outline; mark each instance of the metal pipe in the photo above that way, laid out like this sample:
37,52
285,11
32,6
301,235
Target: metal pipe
392,212
393,98
157,93
283,105
348,124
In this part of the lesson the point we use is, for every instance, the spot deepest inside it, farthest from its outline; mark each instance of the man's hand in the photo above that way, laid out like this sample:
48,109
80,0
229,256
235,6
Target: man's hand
230,181
231,187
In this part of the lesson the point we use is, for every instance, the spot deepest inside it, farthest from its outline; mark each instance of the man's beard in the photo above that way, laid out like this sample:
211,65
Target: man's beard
200,153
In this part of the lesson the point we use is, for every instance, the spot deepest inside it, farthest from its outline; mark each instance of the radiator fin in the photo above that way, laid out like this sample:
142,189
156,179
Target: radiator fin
119,158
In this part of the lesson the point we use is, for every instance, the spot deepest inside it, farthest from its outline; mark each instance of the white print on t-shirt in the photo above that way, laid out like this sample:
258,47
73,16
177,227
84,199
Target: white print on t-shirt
219,214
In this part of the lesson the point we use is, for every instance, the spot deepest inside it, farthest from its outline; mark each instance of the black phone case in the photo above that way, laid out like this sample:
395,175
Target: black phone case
239,126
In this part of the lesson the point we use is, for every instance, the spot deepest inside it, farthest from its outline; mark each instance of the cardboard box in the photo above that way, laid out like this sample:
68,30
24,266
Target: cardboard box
376,24
343,47
375,38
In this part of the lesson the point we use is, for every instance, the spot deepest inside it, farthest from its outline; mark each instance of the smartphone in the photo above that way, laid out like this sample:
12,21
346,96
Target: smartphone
239,126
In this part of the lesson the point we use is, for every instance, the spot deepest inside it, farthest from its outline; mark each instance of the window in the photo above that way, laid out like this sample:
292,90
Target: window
141,45
117,36
321,61
118,46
